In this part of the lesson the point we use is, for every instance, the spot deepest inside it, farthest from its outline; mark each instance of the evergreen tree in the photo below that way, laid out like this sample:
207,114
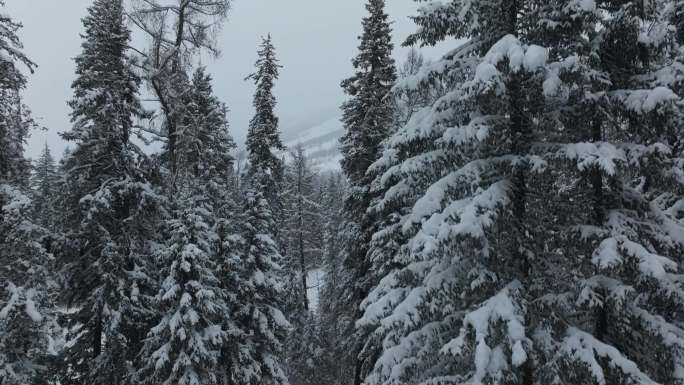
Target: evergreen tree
27,316
184,348
109,208
12,81
205,149
205,145
516,196
15,124
368,119
44,185
617,136
15,120
263,136
192,342
260,298
28,320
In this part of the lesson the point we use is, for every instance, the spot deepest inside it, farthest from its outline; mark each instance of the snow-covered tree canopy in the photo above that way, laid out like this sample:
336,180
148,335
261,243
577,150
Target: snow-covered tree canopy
508,213
532,243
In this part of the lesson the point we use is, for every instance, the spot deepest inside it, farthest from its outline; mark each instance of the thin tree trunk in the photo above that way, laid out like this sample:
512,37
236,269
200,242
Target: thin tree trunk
521,138
358,377
302,260
97,332
598,218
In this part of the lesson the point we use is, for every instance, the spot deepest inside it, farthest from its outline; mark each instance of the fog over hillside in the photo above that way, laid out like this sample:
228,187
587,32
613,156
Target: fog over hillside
321,143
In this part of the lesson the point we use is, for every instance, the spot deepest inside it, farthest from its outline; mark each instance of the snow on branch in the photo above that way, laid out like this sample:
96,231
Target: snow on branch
584,348
612,252
501,308
587,155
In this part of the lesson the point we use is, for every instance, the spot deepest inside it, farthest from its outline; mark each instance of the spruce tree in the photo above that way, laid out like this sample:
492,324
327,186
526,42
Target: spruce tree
27,312
307,359
199,257
15,124
617,137
184,348
29,332
520,258
109,213
260,297
44,186
205,143
263,136
205,146
15,120
368,120
455,251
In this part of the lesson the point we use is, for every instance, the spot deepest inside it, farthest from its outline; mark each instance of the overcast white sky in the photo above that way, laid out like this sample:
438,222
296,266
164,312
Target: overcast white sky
316,40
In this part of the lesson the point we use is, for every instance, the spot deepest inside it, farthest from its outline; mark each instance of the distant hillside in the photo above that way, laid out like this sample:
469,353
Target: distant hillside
321,143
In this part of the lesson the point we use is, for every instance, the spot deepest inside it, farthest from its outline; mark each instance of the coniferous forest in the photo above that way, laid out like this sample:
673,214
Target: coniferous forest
510,213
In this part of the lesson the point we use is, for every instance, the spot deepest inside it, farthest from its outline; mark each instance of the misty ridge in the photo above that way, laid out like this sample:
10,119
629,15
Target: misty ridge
503,205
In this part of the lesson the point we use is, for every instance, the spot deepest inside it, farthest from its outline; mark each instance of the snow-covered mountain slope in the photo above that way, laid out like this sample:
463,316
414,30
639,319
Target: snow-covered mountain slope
321,143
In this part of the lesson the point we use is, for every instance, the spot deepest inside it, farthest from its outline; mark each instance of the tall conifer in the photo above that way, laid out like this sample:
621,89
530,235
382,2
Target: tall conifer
109,213
368,120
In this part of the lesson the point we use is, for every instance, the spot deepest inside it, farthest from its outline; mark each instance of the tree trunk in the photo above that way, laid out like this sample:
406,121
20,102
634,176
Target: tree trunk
521,138
97,332
302,259
358,377
596,179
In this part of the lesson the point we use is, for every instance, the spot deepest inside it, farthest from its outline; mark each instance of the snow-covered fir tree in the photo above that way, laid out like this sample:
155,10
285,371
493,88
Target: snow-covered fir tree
511,213
15,124
205,146
368,120
332,211
15,120
29,333
205,155
259,315
185,347
44,187
618,202
263,136
109,213
521,258
27,316
188,345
